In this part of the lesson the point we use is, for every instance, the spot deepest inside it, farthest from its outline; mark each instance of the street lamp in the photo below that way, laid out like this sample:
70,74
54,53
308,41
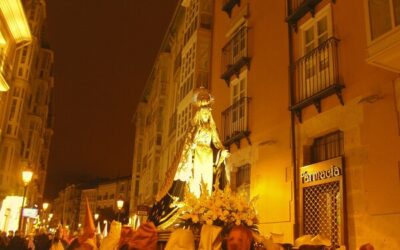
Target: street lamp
96,216
26,178
45,206
120,205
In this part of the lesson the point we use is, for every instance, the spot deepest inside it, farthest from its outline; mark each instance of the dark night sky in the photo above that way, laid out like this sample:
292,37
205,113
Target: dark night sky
104,51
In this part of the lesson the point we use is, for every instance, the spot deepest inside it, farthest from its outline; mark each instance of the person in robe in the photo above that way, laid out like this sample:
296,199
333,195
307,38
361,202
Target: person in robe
87,240
110,242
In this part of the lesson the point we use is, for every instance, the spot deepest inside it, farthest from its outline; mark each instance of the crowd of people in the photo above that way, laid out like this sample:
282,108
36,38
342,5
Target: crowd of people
38,241
119,238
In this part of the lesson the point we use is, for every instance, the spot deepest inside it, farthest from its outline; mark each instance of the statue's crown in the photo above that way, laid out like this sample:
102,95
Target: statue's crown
202,98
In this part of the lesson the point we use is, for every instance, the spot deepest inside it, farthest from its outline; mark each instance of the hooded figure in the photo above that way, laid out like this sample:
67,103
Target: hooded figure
105,230
110,242
87,240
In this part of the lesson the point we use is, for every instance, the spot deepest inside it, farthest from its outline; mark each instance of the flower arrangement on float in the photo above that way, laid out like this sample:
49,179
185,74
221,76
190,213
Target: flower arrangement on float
223,208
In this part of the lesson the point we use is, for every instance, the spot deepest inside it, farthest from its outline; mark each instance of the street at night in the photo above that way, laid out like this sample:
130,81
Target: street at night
199,124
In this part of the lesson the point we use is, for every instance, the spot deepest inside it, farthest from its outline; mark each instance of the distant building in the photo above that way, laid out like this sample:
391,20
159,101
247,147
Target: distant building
69,208
91,195
108,192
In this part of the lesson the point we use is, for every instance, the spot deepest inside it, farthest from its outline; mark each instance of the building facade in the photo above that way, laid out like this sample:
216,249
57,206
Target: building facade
344,94
108,192
249,82
26,105
165,111
307,100
26,108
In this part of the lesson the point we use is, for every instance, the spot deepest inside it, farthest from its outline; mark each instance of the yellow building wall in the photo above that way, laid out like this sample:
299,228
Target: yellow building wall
267,85
369,120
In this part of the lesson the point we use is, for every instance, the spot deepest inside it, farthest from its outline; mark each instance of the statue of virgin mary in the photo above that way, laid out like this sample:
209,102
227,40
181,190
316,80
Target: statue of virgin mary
201,160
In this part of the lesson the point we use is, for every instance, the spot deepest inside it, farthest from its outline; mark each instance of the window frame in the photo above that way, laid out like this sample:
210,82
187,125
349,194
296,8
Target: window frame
313,22
243,76
383,36
316,71
244,187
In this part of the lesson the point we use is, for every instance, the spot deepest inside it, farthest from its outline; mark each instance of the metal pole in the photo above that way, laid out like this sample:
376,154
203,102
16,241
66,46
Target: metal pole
119,212
21,222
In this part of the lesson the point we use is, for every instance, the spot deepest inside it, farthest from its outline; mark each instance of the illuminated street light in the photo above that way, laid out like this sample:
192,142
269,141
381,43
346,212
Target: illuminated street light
26,178
120,205
96,216
45,206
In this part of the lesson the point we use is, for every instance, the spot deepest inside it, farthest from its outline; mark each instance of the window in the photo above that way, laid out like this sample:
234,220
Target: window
327,147
243,179
243,176
239,43
236,48
238,93
184,119
315,33
384,15
235,54
187,72
191,19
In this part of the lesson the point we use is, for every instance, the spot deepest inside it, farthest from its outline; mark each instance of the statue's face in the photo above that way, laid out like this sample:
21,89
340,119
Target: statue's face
204,115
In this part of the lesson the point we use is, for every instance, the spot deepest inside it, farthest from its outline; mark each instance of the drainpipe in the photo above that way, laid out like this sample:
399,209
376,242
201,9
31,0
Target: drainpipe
293,137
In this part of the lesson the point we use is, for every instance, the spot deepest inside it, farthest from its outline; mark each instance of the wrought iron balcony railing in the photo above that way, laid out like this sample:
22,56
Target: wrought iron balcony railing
235,54
316,76
228,6
235,122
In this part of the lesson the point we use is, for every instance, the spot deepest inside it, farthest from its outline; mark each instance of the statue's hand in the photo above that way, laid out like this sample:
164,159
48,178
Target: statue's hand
225,154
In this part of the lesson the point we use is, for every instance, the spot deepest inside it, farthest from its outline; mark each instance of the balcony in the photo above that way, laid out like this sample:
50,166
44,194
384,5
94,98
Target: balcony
316,76
228,6
385,52
235,123
235,54
296,9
